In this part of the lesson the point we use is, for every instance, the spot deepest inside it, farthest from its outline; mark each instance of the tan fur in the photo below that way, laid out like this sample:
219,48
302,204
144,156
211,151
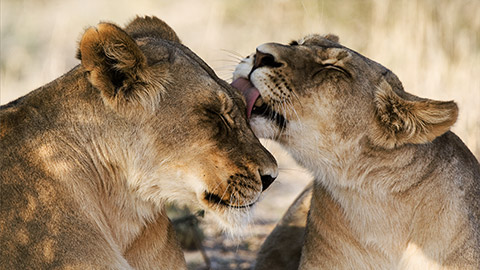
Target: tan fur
89,160
282,248
393,188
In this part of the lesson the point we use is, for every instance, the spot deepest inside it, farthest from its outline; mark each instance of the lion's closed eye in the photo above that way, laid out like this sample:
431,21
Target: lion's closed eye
328,68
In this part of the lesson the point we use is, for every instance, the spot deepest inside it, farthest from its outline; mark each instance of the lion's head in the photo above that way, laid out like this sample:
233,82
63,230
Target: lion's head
320,100
189,127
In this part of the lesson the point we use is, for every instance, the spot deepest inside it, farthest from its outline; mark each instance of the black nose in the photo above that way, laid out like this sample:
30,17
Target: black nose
267,180
265,59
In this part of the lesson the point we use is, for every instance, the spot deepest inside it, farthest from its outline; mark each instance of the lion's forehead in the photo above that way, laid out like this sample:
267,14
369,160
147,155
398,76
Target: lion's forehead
312,49
321,50
180,60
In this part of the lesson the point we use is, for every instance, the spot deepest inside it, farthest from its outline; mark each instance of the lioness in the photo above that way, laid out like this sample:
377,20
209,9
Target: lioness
393,188
89,160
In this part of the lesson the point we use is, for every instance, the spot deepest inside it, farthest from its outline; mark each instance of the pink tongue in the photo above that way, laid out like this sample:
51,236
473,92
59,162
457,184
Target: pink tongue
249,91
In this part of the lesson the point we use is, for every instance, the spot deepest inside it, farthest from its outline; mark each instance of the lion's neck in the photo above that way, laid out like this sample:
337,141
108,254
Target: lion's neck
350,194
123,217
357,165
99,167
114,174
100,174
374,195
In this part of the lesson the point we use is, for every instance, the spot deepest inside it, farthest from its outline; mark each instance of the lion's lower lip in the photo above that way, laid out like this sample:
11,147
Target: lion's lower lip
260,108
217,200
266,111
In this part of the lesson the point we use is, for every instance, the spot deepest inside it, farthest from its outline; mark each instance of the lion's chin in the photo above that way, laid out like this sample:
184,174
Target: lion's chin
234,222
263,127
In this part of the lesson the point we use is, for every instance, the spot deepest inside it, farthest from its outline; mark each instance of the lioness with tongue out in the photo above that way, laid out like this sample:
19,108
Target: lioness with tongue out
393,188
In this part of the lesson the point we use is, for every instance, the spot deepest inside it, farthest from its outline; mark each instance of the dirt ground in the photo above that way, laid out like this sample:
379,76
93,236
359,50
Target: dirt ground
223,252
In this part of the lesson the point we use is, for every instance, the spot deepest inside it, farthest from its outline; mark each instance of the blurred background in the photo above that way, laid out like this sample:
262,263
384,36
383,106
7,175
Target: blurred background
432,45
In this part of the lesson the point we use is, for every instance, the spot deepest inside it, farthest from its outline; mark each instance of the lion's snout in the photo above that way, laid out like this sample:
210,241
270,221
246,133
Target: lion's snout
267,180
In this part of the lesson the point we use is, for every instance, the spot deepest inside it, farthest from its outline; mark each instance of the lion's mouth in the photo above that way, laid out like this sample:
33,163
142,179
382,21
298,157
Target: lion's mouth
255,103
215,199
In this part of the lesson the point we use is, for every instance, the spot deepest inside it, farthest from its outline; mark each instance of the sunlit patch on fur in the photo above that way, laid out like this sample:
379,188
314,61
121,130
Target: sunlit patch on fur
414,258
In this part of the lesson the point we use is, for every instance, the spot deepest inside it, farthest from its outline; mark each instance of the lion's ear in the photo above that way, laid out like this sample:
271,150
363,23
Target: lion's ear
114,62
409,119
151,27
332,38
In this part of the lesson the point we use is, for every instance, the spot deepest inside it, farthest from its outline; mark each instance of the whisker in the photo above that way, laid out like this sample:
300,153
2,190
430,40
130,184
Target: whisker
285,114
292,107
291,169
230,68
233,53
296,96
224,191
213,192
234,62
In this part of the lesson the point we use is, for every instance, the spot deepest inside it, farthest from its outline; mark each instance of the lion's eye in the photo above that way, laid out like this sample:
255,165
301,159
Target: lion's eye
221,123
225,121
327,67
